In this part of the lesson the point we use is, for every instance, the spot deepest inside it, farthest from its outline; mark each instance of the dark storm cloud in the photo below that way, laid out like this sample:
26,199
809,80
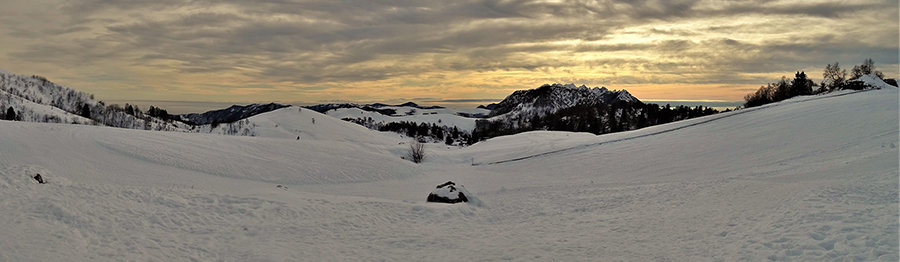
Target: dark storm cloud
827,9
327,48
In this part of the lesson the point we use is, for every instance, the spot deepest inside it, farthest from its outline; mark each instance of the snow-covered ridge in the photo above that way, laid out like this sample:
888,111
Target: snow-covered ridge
36,99
874,82
605,93
296,123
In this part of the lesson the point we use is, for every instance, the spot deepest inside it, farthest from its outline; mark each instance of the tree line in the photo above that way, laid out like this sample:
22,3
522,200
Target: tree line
596,119
435,132
834,78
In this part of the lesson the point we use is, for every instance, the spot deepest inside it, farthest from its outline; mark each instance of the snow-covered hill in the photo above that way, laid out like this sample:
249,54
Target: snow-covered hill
383,114
26,110
431,123
874,82
807,179
301,124
36,99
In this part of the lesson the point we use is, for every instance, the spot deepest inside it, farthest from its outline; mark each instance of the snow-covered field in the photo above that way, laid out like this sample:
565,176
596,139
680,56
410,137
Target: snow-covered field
808,179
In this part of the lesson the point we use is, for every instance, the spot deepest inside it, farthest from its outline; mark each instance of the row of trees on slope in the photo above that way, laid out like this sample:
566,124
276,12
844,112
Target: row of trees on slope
423,131
16,90
834,78
19,94
596,119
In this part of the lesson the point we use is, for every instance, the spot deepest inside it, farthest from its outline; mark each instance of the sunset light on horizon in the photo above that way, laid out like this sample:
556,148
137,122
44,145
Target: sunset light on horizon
318,51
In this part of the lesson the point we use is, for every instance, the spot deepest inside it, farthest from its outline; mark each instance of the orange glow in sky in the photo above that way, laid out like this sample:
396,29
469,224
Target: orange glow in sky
366,51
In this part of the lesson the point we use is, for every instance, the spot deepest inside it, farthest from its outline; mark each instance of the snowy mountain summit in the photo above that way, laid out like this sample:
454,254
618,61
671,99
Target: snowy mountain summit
558,96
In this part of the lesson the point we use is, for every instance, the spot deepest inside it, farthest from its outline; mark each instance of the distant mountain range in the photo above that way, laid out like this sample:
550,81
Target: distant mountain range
376,107
436,122
564,107
545,98
36,99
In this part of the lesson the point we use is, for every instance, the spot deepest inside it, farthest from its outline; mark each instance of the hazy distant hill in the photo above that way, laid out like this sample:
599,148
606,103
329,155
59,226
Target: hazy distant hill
228,115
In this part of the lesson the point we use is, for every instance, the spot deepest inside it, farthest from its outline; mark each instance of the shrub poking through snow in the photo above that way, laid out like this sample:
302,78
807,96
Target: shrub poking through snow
448,193
416,151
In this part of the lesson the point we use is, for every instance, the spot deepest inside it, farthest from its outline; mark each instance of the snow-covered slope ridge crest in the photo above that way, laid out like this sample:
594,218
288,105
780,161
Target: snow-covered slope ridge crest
874,81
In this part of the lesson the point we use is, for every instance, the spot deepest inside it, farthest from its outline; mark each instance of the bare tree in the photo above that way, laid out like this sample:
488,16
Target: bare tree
866,68
835,77
416,151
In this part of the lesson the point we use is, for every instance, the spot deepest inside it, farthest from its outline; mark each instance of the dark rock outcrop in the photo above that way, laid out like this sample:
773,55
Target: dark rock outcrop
448,193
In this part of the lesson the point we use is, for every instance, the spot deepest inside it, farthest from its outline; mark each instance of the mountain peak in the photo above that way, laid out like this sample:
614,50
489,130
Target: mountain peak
410,104
552,97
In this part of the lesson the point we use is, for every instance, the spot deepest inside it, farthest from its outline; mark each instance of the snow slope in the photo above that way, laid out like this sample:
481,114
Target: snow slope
34,112
874,81
807,179
293,122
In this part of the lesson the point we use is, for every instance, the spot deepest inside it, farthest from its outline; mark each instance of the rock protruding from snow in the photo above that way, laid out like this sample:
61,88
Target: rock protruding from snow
449,193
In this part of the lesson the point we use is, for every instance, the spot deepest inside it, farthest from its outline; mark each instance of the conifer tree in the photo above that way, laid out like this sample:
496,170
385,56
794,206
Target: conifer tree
85,111
11,114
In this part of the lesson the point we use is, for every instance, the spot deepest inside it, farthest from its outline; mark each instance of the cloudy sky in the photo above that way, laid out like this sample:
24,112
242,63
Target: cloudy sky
312,51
